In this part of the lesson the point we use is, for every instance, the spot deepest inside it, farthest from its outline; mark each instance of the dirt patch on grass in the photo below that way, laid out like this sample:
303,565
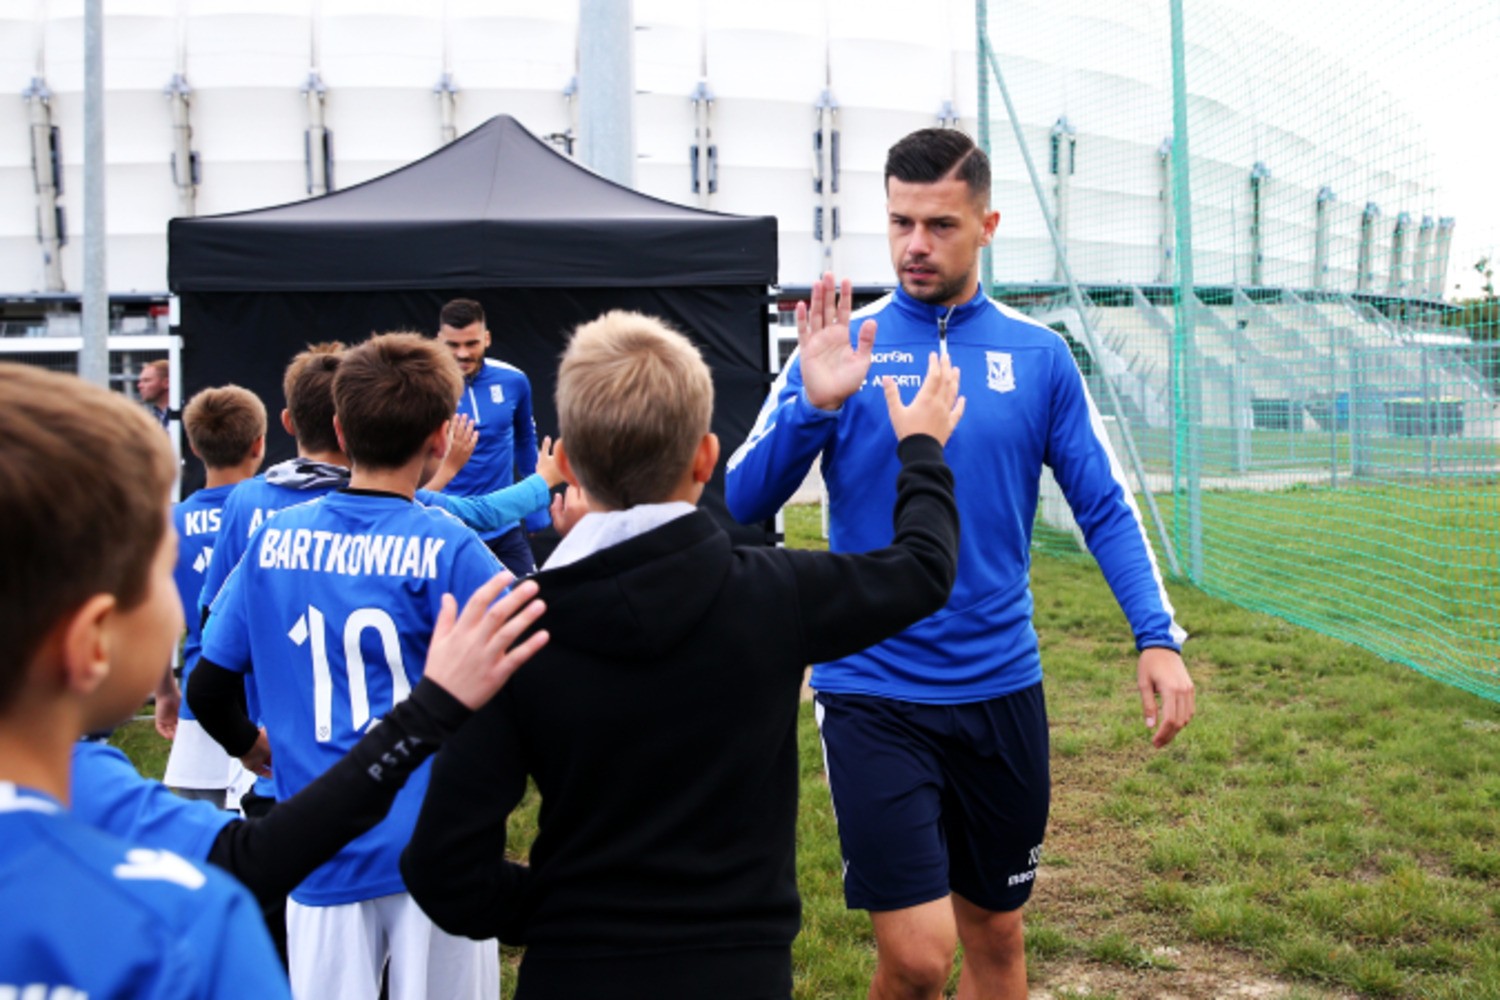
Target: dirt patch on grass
1202,974
1093,888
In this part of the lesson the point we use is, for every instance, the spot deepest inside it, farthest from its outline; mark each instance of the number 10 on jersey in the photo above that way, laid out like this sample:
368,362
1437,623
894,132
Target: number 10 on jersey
311,629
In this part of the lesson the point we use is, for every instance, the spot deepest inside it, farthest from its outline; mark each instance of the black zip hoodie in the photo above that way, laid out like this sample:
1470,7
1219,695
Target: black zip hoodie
660,727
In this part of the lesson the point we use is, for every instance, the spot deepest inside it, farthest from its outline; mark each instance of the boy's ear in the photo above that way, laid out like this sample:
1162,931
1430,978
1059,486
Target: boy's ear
438,443
338,432
258,447
286,423
560,454
706,458
85,645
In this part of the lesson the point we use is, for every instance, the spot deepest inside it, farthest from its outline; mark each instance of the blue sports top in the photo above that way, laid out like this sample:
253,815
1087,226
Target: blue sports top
109,794
197,522
330,612
1027,406
498,399
250,503
92,916
490,513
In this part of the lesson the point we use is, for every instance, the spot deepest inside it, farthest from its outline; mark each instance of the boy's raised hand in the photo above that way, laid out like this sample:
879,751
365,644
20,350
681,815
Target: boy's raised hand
546,464
832,371
462,437
472,654
568,509
937,408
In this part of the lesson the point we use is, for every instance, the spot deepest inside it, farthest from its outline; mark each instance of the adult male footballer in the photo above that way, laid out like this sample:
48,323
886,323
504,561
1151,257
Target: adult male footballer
936,739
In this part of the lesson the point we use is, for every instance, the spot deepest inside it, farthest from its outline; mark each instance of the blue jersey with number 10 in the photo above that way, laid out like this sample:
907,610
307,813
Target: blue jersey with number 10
331,612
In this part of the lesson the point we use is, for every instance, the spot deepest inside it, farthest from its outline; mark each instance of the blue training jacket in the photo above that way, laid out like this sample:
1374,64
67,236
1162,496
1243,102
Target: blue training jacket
1027,406
498,399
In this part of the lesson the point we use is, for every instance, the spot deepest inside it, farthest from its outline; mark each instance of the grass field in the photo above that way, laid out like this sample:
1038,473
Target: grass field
1329,825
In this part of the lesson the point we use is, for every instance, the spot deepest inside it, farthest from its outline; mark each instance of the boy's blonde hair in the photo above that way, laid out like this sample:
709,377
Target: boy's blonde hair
84,475
391,393
223,424
634,399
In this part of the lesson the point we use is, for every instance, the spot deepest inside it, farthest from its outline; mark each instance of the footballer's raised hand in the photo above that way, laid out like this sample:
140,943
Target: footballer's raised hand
474,653
937,408
832,370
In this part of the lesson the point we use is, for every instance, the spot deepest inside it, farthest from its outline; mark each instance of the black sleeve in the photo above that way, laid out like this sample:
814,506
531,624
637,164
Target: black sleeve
454,865
272,854
850,601
217,698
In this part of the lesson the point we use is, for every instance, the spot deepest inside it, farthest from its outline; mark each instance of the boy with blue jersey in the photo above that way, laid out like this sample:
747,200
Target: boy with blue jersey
497,398
226,429
936,739
330,613
320,465
88,614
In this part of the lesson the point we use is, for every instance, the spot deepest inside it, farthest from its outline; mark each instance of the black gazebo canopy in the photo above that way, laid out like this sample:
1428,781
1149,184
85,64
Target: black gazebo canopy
498,216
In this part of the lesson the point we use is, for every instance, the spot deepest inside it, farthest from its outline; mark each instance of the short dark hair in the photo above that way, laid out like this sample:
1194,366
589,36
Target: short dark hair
308,385
460,313
391,393
223,424
929,155
84,476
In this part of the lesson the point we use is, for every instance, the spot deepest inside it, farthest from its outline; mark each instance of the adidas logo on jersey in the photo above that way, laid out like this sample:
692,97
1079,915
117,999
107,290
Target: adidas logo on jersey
141,864
40,991
351,555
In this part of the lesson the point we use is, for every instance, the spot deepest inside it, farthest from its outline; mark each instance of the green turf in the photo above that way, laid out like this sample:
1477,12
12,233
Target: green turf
1329,823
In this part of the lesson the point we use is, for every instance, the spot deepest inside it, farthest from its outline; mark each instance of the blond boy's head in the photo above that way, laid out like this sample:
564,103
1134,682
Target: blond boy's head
84,483
224,424
634,401
391,394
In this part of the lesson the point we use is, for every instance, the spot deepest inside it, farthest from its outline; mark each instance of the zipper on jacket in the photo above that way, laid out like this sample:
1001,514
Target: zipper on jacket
943,331
474,405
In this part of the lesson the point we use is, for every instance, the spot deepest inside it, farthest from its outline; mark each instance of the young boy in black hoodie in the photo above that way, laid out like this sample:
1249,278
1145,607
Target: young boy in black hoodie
660,723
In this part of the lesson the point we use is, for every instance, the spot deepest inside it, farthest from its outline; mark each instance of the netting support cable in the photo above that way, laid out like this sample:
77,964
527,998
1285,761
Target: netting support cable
1187,409
981,18
988,55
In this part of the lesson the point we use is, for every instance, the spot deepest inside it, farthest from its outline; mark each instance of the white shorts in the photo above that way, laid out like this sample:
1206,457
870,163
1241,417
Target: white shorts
337,952
196,761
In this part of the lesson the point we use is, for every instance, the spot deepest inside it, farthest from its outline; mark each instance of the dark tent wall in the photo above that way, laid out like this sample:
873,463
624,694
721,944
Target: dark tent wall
498,216
248,337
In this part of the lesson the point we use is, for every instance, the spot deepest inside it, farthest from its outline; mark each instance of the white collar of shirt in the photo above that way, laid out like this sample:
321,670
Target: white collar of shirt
16,799
597,531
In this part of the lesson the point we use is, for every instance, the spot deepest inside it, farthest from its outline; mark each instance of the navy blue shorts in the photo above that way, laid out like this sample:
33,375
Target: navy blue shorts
513,551
932,799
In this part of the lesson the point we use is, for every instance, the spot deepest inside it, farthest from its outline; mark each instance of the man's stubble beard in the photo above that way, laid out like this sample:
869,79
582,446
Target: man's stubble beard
939,294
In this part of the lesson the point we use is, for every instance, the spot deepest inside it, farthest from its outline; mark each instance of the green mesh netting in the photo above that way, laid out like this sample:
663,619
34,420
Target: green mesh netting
1273,256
